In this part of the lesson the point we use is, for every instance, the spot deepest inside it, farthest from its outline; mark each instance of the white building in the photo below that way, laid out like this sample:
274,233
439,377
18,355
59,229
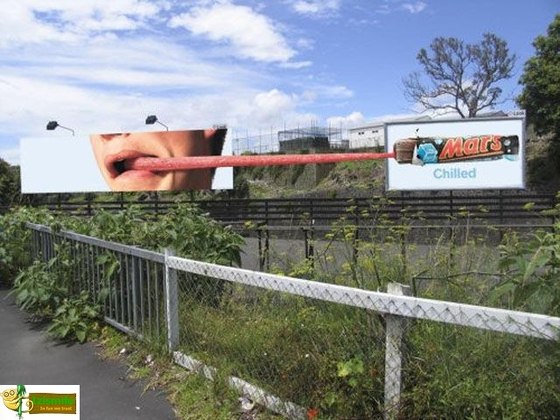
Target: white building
367,136
372,135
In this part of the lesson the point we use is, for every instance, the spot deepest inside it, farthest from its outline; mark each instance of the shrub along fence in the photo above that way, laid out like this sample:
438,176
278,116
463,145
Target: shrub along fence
300,347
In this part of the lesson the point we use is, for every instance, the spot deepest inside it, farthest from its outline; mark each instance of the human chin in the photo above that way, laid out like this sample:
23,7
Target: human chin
136,180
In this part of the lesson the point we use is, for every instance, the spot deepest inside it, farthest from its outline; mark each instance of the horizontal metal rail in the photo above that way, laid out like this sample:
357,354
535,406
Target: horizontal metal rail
496,206
480,317
113,246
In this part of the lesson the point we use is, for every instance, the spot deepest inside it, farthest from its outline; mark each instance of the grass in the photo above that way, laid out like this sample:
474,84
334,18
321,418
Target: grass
192,396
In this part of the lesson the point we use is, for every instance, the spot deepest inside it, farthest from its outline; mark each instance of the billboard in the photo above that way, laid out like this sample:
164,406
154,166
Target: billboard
122,162
456,154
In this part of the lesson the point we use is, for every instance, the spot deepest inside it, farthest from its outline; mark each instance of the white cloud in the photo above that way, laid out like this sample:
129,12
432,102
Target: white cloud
391,6
131,64
252,35
350,120
272,104
315,8
296,65
30,21
334,91
415,7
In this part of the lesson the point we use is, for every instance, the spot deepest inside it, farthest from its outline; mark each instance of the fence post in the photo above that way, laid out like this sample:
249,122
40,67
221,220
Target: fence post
171,303
267,247
395,326
312,243
89,198
262,228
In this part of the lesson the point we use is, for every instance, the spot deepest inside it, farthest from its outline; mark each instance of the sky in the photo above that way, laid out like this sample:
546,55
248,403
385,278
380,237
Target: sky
104,65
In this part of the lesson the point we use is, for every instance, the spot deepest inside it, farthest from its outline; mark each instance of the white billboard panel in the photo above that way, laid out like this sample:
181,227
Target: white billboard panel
109,162
456,154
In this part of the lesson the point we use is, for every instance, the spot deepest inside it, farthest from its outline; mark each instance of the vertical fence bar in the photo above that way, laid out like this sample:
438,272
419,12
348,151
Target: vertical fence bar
158,305
44,247
395,326
98,277
141,265
172,304
128,285
109,283
134,283
85,258
122,271
89,278
149,267
33,245
79,270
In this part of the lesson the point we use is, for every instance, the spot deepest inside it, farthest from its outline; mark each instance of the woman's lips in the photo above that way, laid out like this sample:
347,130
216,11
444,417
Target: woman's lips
118,164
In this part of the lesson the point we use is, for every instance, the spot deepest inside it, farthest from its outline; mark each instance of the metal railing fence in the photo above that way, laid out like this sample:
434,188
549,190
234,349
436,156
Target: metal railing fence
495,207
292,344
132,278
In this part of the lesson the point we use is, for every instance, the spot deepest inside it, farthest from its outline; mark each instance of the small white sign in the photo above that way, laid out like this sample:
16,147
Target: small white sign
456,154
50,401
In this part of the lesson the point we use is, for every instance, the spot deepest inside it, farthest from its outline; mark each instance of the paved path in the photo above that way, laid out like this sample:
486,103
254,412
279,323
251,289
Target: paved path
29,357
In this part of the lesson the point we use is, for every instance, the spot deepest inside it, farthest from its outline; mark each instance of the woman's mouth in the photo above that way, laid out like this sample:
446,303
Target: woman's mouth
119,164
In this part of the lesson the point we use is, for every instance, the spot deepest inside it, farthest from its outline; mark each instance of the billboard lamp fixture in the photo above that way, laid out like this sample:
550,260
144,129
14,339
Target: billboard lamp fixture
152,119
51,125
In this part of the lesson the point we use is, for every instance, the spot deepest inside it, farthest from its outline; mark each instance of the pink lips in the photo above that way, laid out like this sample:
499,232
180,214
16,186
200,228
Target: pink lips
118,164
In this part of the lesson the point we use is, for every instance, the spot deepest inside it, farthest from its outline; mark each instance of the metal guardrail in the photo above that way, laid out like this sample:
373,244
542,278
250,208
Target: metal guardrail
501,207
165,297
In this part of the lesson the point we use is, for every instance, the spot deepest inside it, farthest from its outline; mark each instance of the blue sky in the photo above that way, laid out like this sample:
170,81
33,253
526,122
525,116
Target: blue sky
104,65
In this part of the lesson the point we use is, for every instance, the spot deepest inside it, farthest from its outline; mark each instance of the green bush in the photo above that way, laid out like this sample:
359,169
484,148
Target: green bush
530,273
75,319
37,289
15,251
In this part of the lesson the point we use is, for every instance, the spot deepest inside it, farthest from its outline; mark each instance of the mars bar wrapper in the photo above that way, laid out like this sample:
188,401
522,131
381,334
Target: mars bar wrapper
423,150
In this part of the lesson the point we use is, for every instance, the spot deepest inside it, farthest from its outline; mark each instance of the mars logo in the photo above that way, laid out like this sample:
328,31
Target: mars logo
478,147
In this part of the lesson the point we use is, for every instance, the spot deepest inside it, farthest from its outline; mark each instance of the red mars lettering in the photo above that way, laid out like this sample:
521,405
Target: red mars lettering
471,146
453,148
459,147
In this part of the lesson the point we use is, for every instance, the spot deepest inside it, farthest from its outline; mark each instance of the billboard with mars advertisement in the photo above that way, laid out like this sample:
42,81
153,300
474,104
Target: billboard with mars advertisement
135,161
456,154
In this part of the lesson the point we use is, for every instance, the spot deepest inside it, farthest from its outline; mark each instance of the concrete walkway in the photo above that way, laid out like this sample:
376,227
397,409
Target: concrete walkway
29,357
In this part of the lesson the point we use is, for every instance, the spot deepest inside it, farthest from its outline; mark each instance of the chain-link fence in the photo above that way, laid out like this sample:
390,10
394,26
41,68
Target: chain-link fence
302,347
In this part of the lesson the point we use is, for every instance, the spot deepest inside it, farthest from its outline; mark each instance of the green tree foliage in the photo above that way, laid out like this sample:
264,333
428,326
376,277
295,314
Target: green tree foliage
9,184
461,77
541,82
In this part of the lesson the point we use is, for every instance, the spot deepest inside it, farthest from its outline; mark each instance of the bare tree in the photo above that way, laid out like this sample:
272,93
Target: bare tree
461,77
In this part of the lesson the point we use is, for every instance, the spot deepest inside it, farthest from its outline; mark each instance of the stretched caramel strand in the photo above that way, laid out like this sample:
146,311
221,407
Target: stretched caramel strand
206,162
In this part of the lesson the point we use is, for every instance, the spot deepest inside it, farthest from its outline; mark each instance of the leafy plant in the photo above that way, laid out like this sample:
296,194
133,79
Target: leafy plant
75,318
351,370
530,272
15,239
36,288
